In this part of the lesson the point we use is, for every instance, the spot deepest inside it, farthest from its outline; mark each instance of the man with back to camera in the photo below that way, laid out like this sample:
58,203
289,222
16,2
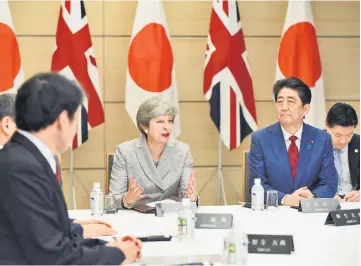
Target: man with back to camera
34,223
291,157
341,122
86,228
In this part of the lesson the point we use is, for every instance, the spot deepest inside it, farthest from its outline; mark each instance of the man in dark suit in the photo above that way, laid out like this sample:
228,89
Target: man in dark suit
34,223
86,228
341,122
291,157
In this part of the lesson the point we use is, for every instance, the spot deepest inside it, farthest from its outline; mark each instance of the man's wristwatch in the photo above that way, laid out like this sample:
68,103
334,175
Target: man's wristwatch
125,204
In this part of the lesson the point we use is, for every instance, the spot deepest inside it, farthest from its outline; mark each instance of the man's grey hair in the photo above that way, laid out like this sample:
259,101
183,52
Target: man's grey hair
7,105
152,108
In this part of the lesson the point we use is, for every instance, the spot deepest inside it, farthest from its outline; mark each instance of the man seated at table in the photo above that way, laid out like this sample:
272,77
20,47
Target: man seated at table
7,118
87,228
34,222
341,122
290,156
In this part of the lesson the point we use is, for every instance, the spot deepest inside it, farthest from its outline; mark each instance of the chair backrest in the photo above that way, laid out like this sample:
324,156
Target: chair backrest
109,159
247,190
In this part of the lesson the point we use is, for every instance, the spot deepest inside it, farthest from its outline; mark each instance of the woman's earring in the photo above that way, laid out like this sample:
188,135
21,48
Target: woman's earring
146,131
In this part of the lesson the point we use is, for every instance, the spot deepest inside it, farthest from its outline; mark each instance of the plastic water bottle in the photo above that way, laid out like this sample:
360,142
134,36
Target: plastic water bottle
257,195
186,221
97,200
236,246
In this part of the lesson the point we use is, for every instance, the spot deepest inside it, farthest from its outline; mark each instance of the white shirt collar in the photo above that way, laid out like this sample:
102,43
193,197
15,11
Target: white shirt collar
344,150
287,135
44,150
1,147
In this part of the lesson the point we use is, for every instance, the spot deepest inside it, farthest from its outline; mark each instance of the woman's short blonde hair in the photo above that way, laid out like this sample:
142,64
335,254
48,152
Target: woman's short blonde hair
152,108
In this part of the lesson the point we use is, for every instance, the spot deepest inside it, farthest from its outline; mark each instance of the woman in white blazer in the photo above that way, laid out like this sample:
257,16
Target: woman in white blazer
154,166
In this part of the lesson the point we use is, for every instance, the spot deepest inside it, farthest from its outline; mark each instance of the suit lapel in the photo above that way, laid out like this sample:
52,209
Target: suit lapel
146,162
166,160
353,159
278,145
305,154
42,160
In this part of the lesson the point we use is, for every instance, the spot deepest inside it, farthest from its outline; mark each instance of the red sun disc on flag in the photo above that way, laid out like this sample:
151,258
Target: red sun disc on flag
9,57
298,54
150,60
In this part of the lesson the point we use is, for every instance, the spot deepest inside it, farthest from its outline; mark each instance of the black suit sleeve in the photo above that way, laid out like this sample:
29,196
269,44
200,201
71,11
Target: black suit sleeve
42,232
76,228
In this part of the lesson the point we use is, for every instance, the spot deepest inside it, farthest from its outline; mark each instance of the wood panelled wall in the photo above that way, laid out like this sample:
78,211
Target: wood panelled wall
338,30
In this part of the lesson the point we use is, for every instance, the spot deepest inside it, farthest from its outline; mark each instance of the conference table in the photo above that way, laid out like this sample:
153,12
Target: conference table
315,243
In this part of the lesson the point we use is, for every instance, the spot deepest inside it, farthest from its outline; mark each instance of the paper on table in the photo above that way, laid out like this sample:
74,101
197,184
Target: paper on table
152,204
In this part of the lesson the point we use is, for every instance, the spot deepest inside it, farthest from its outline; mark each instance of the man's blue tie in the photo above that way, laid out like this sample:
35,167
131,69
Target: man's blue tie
338,165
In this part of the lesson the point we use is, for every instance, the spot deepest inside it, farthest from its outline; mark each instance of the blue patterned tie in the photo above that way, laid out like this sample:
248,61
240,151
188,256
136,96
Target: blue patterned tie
338,165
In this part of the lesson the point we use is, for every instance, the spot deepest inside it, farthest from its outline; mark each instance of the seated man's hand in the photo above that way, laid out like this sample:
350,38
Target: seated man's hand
353,196
338,197
130,246
297,196
94,230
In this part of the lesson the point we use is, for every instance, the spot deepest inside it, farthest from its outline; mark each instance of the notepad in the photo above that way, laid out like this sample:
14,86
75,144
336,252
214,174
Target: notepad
152,204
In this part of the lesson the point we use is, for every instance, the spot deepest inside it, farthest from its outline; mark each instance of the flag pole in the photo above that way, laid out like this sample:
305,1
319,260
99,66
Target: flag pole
72,191
220,174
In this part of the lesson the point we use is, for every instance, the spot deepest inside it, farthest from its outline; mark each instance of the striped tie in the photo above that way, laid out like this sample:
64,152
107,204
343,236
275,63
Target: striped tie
58,170
338,166
293,155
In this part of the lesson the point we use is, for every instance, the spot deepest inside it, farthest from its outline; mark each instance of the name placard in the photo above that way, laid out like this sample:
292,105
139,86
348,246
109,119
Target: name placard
213,220
319,205
270,244
343,217
161,208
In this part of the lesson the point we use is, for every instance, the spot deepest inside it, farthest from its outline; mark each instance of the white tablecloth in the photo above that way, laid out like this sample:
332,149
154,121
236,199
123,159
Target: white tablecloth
315,243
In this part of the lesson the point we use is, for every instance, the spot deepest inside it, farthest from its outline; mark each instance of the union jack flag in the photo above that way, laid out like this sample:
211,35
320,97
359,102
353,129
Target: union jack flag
227,80
74,58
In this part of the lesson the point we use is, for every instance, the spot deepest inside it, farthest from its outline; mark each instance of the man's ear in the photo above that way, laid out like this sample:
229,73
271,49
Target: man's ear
62,119
306,109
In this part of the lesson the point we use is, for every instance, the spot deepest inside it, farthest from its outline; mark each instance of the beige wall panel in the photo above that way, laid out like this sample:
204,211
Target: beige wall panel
340,58
90,154
116,61
118,126
334,18
83,184
207,185
189,56
259,18
36,54
119,17
41,17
